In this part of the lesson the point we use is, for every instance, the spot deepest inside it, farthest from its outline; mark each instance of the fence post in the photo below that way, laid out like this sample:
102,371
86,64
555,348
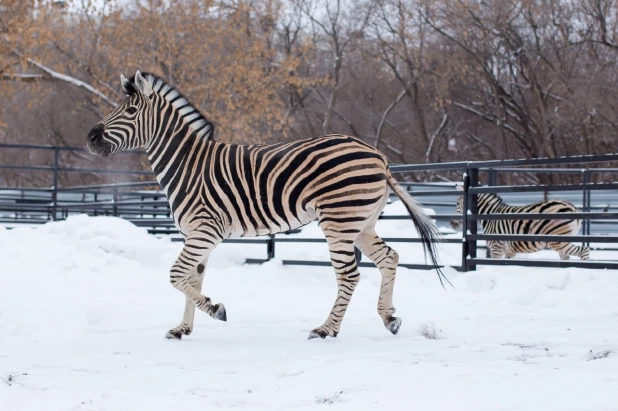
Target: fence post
469,203
464,224
115,200
270,247
491,180
55,185
473,174
586,204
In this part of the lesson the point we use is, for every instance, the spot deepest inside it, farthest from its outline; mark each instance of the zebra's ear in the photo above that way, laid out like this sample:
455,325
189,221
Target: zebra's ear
142,85
127,87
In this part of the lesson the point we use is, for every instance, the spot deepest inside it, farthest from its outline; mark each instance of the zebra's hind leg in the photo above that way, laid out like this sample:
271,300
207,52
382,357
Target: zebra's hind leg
186,325
569,249
344,262
386,259
496,249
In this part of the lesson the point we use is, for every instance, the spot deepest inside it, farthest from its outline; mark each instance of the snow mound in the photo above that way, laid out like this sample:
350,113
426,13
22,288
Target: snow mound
81,244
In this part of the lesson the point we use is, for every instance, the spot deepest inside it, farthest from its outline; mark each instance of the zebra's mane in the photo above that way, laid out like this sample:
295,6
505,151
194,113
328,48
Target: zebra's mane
197,121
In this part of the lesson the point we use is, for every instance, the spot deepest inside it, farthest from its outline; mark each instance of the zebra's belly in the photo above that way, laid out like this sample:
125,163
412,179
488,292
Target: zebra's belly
536,227
250,230
519,247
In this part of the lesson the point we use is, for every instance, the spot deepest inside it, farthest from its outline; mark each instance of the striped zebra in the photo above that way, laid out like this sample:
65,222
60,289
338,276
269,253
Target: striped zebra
217,191
493,204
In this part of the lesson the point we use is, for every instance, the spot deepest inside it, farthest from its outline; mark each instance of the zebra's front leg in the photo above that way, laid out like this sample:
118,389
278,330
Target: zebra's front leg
198,246
186,325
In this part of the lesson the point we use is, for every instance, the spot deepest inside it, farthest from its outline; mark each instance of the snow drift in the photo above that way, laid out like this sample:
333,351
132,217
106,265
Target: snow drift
85,304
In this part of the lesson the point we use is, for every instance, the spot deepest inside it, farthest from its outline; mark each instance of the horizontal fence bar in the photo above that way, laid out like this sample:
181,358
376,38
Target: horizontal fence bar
437,217
230,240
318,240
546,161
361,264
545,263
401,168
300,240
495,164
23,221
112,203
110,186
60,148
34,168
29,146
533,170
419,240
543,238
549,170
434,193
543,188
548,216
392,240
245,241
103,171
33,189
415,184
24,206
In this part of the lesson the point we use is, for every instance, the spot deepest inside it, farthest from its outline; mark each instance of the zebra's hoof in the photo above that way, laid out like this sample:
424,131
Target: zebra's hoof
322,333
317,333
219,312
394,325
173,335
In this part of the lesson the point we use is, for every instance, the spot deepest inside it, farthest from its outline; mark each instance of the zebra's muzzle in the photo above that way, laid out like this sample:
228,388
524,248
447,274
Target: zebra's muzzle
96,144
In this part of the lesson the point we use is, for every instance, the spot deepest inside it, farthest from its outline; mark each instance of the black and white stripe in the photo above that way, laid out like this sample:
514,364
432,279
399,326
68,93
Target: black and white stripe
493,204
218,190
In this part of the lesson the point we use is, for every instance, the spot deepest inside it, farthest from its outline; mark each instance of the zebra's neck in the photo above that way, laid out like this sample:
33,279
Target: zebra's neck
491,203
179,131
176,139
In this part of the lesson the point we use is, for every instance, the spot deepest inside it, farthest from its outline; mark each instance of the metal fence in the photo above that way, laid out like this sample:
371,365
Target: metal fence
144,205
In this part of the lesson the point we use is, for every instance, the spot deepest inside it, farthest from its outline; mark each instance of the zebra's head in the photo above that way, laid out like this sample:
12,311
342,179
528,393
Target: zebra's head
126,127
458,210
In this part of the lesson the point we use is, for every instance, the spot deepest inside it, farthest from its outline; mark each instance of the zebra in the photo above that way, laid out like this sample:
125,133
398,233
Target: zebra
493,204
217,191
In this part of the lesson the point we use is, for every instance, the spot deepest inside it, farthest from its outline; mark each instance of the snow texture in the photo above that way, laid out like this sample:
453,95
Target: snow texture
85,304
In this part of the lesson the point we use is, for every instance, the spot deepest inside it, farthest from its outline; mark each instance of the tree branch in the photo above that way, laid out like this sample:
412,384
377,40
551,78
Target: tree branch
71,80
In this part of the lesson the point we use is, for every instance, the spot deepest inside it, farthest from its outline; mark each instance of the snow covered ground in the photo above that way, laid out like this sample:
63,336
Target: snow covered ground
85,304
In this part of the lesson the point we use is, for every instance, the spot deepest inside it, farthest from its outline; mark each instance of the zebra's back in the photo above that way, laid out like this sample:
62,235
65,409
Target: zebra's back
279,187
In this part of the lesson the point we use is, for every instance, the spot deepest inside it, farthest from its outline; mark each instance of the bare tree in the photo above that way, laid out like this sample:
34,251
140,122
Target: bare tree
335,29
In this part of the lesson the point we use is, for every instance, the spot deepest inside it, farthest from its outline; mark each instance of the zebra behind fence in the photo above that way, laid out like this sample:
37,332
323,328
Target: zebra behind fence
218,190
492,204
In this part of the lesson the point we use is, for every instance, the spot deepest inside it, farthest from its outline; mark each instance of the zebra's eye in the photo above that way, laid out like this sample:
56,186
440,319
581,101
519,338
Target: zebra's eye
131,110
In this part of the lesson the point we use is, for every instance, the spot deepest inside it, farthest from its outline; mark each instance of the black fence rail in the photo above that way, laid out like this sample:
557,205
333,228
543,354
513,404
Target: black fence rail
142,203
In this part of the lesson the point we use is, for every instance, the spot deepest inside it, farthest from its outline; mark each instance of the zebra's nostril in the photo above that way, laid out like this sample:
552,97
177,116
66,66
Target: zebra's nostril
95,133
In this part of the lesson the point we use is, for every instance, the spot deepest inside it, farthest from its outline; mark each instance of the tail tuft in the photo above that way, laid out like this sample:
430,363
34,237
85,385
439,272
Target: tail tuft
427,230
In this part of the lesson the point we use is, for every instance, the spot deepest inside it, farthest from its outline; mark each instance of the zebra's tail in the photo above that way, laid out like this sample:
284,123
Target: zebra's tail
427,230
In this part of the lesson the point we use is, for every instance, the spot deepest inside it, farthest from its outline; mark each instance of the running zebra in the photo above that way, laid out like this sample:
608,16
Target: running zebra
218,191
492,204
